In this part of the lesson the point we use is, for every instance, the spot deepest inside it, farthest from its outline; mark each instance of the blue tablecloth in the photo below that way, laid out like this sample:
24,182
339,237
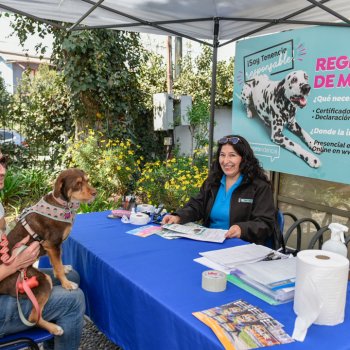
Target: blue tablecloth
141,292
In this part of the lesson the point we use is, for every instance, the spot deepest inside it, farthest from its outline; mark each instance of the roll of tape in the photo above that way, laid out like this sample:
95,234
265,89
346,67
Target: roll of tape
139,219
213,281
145,208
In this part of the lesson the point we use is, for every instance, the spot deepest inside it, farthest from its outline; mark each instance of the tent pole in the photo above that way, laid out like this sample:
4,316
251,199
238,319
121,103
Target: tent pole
213,90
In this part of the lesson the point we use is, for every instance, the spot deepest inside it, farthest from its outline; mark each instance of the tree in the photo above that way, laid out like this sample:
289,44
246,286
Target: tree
102,69
4,99
42,106
195,78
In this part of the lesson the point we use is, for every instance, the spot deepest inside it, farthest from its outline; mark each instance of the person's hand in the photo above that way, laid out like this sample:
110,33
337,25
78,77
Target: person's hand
27,257
171,219
234,232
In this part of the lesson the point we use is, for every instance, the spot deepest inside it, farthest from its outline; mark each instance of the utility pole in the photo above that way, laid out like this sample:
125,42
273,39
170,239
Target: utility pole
169,48
178,56
169,141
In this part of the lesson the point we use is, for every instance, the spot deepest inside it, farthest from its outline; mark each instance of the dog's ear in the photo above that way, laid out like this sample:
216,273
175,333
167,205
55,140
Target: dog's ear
60,188
280,90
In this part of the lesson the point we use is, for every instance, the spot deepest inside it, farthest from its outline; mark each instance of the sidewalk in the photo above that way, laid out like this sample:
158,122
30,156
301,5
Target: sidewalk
93,339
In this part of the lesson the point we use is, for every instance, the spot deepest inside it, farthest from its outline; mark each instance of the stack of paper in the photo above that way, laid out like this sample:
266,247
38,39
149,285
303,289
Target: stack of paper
231,257
259,270
275,279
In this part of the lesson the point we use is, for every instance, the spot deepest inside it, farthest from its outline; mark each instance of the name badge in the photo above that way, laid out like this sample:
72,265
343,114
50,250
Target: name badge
245,200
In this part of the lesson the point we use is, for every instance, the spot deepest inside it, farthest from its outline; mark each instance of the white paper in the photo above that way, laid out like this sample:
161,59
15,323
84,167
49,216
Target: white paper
212,265
231,257
270,272
195,232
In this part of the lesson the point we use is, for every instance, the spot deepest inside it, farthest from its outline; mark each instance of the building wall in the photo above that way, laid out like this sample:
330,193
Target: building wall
223,127
17,75
6,70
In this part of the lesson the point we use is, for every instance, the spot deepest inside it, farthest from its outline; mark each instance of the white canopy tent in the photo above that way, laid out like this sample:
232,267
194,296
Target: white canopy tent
204,21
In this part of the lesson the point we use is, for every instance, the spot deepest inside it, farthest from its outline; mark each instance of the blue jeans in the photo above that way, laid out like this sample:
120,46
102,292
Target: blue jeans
65,308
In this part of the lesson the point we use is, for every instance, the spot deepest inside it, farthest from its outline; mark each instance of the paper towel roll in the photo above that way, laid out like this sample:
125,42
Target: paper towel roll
145,208
320,290
139,219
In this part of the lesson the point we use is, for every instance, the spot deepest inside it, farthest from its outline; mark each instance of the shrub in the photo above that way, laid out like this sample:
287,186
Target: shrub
170,182
112,166
24,187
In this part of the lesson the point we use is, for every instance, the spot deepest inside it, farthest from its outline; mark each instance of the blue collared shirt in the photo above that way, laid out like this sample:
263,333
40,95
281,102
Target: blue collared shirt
220,213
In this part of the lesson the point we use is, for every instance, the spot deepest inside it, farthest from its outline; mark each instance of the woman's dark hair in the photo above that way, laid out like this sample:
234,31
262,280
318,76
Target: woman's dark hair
4,159
250,167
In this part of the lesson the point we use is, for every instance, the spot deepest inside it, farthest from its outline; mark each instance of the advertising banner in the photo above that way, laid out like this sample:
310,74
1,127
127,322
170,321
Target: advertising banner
292,101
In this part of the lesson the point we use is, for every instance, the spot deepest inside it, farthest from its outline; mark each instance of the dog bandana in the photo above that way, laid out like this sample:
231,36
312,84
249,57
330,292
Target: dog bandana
66,214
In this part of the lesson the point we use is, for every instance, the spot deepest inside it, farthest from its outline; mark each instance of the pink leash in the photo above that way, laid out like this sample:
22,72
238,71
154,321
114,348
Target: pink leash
23,284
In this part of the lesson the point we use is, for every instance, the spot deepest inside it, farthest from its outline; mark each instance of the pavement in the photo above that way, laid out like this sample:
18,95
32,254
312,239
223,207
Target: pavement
93,339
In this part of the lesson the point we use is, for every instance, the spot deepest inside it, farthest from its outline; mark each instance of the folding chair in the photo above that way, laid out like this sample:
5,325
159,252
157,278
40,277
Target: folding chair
28,339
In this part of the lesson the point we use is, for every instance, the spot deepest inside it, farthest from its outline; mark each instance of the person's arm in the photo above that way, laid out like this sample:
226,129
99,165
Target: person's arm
260,225
24,259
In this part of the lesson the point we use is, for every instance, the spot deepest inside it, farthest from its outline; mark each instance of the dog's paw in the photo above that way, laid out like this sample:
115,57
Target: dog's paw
53,328
58,330
70,285
313,161
67,268
249,113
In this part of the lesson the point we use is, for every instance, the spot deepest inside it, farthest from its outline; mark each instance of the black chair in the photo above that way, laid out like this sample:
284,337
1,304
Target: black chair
318,236
347,240
281,224
297,225
27,339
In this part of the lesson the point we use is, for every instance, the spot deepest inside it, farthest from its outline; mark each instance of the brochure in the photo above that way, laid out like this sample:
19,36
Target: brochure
240,326
145,231
194,231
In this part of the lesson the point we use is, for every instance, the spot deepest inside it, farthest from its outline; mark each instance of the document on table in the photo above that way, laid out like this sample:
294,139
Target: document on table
231,257
212,265
273,274
194,231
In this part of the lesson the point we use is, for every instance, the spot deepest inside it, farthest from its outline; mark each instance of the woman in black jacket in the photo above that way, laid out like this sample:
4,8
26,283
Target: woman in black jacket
236,195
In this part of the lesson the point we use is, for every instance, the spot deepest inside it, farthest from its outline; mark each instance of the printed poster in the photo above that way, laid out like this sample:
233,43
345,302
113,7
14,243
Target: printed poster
292,101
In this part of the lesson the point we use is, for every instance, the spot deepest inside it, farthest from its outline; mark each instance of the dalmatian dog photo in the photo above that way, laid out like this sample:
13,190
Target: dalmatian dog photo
276,104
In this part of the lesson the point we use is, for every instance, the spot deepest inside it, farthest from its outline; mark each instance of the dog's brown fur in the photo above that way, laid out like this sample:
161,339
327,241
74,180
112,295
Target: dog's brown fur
71,185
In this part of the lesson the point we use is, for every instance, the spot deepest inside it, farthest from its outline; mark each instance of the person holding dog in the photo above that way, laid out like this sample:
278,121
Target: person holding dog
65,307
236,196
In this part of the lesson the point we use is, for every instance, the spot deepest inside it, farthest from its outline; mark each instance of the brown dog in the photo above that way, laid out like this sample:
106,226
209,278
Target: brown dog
50,222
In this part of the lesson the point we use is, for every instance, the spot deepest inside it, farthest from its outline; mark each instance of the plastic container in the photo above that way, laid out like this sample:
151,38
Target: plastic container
337,242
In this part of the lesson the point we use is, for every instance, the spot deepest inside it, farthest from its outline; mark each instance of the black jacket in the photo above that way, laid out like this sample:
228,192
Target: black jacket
252,209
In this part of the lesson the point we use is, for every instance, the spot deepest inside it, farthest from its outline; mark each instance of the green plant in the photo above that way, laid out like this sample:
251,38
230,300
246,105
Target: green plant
198,117
100,203
170,182
43,109
112,165
24,187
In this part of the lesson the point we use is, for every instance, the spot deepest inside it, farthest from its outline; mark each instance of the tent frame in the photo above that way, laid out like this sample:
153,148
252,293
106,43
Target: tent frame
216,29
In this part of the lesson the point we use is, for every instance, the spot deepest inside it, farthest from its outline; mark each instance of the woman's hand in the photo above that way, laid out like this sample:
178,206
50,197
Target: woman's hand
27,257
171,219
234,232
24,259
